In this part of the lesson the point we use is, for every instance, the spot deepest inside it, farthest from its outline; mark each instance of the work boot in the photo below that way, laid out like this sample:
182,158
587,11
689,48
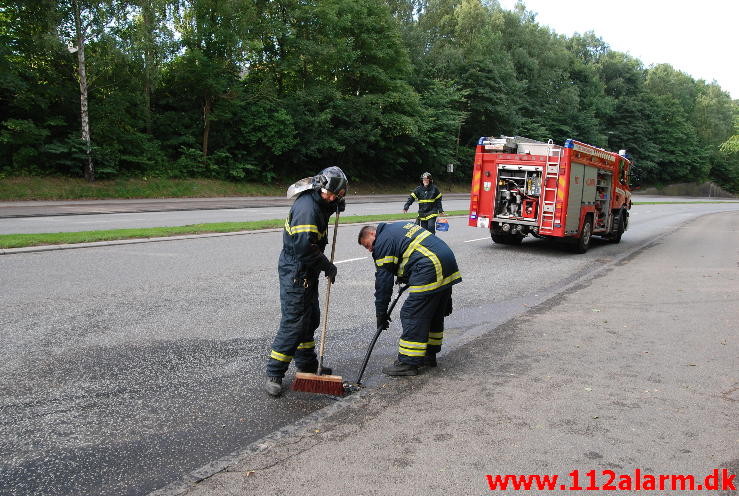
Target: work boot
273,386
312,369
429,360
399,368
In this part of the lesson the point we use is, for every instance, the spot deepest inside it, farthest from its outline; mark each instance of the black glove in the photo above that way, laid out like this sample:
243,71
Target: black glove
330,270
448,310
383,321
341,204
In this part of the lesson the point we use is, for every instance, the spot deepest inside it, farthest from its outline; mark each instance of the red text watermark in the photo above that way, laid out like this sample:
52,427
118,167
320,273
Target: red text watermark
608,480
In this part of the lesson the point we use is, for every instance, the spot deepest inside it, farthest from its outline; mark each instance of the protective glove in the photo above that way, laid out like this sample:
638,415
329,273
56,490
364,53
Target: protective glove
383,321
341,204
448,310
330,270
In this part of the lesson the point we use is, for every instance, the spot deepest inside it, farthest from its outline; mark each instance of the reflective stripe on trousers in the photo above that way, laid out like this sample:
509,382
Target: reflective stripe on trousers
422,317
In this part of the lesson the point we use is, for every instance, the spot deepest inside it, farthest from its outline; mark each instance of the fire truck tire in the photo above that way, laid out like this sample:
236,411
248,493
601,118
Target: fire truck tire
515,240
586,234
620,225
505,238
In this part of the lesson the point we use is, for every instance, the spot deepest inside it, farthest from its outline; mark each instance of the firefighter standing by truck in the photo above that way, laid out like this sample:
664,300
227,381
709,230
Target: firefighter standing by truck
301,262
428,266
428,197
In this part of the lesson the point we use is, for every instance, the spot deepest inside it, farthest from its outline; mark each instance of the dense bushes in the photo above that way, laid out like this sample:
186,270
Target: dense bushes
256,91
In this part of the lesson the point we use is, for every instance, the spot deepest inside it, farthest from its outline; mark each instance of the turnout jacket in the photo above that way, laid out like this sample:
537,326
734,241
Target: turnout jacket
429,201
416,257
306,231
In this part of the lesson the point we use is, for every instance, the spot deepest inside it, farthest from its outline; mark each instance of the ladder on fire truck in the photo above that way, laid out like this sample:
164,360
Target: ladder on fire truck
549,194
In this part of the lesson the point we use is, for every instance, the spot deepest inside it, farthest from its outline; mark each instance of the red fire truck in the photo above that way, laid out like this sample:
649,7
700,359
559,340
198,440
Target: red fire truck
522,186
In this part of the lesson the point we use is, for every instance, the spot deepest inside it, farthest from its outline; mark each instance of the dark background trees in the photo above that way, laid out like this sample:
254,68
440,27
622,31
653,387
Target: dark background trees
263,90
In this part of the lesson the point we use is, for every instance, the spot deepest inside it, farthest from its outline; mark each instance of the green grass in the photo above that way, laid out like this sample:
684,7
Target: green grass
25,240
62,188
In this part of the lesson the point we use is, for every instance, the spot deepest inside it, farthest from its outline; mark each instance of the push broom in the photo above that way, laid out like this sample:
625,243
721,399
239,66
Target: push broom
319,383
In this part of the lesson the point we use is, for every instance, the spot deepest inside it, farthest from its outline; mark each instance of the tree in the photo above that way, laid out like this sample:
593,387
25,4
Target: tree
216,37
81,13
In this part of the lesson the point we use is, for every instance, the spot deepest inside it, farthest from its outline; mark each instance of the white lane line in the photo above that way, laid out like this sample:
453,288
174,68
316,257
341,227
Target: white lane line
351,260
478,239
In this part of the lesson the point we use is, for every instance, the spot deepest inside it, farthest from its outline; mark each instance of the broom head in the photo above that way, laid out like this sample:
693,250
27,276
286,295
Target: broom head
322,384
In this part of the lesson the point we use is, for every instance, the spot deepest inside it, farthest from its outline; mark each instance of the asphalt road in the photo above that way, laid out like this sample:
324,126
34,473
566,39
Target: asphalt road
126,367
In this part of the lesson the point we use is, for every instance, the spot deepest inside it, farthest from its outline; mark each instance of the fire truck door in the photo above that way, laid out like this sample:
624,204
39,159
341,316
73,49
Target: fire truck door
574,199
589,189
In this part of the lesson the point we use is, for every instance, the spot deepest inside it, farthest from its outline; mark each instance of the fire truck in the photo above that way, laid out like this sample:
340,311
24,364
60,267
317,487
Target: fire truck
522,186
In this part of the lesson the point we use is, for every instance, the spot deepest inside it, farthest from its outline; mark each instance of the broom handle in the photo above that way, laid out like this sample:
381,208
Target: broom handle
328,297
377,335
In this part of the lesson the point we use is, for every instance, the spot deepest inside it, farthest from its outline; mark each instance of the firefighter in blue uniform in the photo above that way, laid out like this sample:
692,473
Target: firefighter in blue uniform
424,262
428,197
301,261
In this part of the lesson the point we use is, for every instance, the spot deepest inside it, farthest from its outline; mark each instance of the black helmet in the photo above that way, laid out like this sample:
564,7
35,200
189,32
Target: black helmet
426,175
332,179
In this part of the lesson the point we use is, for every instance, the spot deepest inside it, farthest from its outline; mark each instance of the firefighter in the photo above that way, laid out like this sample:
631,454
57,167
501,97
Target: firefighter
424,262
429,202
301,261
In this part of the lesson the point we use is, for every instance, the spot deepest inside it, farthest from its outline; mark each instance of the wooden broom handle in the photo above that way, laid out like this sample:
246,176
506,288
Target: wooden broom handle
328,298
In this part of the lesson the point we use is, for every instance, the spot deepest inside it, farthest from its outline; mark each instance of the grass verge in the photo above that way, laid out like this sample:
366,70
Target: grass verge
64,188
40,239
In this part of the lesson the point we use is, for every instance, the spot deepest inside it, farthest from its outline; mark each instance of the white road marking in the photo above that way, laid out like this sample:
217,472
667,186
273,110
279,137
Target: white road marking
351,260
478,239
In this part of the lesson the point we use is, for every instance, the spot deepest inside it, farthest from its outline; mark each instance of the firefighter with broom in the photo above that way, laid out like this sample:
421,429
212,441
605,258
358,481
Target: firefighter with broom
301,261
412,254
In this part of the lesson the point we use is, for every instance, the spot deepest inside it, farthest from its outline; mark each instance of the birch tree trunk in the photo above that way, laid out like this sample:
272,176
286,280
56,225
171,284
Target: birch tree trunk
84,114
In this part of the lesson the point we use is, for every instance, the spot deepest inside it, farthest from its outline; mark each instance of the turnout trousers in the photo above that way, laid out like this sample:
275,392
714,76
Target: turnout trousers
422,317
428,224
301,315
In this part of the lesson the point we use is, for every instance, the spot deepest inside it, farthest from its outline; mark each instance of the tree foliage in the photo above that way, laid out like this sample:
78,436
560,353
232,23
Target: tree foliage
257,90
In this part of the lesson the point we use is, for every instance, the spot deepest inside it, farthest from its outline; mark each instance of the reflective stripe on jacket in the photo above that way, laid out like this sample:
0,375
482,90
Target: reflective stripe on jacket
429,201
306,230
413,254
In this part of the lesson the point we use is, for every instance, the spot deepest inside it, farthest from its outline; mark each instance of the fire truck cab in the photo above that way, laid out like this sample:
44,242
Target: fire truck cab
522,186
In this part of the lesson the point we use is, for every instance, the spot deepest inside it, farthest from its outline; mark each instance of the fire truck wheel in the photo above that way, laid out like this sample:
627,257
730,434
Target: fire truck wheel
499,238
620,224
586,234
506,239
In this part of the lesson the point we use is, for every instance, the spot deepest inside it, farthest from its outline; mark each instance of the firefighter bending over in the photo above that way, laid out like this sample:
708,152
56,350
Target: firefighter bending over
301,262
429,202
428,266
